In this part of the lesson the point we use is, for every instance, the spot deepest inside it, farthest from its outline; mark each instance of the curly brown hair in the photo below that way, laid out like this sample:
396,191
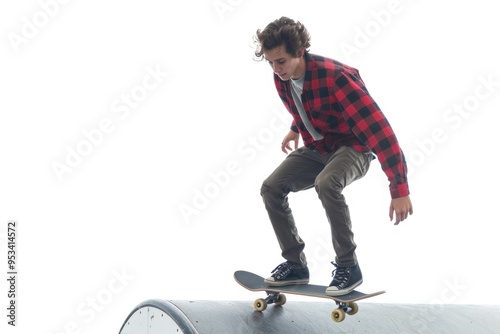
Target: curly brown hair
283,31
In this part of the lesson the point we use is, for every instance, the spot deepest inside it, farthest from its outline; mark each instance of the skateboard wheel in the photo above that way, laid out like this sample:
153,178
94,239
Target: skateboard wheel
281,300
338,315
354,308
259,305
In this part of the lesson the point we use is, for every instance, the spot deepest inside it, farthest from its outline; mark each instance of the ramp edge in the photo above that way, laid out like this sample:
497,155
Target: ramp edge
174,312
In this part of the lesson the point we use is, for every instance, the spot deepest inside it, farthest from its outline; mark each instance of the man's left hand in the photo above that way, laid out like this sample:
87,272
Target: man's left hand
401,207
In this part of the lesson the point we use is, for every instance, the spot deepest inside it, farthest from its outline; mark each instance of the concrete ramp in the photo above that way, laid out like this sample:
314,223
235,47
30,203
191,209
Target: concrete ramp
158,316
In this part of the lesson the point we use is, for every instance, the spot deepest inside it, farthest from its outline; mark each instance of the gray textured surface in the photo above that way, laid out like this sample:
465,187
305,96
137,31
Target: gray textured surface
206,317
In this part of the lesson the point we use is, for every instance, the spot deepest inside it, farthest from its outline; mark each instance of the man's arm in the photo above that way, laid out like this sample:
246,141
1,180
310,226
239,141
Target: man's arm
368,123
370,126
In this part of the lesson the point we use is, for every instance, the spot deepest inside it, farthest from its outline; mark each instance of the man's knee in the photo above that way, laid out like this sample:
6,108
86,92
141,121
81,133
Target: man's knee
267,188
330,183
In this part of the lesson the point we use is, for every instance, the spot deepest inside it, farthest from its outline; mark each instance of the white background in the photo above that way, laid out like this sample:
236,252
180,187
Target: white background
118,213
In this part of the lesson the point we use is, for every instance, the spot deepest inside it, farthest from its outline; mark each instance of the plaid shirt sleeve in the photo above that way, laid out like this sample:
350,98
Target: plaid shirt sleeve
370,126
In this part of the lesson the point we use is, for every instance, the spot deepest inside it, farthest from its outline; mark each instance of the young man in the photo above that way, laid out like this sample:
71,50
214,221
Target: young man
341,126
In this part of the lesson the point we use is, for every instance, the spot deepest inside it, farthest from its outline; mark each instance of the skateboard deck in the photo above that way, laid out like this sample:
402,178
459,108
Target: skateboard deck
275,294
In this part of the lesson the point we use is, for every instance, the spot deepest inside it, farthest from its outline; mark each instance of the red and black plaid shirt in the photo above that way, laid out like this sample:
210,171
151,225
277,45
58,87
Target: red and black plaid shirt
340,108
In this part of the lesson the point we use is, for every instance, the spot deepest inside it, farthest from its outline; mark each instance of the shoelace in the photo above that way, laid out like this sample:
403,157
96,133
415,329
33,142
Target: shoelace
341,274
282,270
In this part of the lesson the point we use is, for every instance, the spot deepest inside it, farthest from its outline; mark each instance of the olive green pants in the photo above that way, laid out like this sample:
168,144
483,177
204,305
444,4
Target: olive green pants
329,175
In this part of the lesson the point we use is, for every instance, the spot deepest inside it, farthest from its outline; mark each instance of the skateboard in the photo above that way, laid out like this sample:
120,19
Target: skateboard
275,294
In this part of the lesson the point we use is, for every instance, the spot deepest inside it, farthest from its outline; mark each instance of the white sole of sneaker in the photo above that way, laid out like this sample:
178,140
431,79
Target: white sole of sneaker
285,283
334,292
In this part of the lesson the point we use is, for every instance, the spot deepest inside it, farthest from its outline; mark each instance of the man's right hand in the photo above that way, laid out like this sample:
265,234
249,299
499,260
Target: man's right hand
285,144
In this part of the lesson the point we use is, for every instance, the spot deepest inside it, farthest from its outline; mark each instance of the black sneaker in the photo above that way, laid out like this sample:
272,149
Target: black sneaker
345,279
288,273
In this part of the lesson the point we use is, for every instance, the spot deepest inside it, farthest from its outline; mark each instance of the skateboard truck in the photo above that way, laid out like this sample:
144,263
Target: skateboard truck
350,308
275,298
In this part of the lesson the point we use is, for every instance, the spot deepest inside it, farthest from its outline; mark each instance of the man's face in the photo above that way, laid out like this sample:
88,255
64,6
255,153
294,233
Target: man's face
283,64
